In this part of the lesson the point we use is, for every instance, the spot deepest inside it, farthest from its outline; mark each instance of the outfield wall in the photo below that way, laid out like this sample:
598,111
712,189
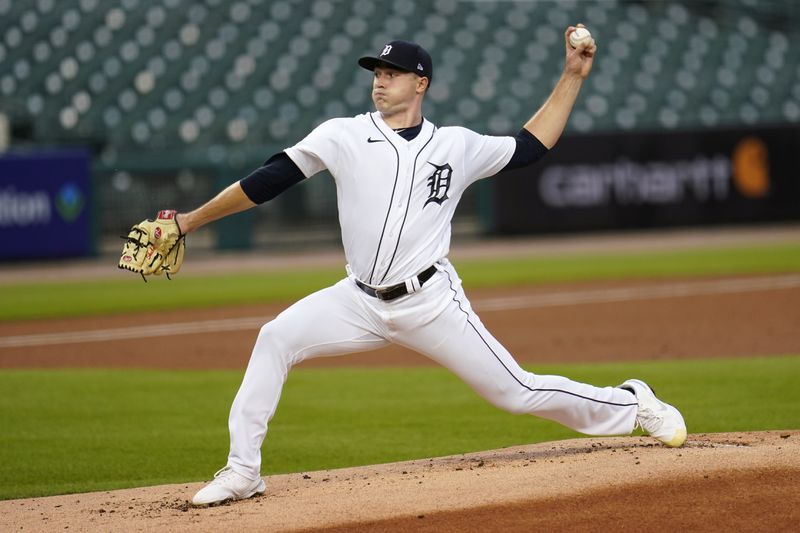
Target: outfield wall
585,183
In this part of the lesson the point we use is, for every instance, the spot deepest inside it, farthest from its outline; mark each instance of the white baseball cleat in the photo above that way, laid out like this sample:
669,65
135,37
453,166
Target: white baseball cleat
657,418
228,485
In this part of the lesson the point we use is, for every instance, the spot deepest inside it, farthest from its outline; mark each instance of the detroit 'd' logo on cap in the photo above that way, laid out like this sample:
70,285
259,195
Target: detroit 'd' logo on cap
386,50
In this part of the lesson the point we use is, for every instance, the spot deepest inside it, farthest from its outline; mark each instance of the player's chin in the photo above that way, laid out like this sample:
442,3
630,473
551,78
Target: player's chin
380,103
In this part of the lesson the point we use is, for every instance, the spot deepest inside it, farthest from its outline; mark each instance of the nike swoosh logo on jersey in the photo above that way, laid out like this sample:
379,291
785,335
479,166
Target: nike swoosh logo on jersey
371,140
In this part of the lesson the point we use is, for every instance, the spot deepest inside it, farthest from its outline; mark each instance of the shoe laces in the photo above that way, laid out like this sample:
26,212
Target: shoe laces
649,420
222,475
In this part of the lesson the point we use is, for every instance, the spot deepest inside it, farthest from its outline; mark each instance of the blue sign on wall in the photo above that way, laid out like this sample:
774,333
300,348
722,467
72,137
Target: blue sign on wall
45,205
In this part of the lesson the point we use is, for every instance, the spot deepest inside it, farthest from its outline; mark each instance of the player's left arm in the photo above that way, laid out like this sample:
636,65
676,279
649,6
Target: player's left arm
548,123
230,200
158,246
276,175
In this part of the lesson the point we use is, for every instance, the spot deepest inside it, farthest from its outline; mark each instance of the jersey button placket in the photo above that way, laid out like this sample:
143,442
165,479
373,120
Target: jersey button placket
395,217
401,197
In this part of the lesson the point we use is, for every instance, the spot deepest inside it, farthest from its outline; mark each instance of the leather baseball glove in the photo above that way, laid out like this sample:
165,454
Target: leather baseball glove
154,247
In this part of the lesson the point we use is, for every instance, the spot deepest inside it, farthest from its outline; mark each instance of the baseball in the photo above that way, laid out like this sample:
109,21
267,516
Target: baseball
580,36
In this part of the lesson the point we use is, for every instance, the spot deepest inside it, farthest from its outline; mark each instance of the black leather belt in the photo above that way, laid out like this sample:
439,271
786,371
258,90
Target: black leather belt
396,291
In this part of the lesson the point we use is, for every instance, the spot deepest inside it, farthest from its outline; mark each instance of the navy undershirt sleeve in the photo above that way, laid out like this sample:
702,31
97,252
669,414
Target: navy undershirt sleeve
277,174
529,150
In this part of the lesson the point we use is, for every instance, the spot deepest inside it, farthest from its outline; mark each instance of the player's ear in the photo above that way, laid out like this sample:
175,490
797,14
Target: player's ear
422,84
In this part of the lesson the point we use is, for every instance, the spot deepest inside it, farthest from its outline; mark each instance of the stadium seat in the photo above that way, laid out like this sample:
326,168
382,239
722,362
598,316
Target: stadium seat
181,74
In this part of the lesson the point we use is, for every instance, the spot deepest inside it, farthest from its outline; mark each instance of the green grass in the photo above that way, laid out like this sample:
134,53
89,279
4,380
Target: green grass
101,297
82,430
621,265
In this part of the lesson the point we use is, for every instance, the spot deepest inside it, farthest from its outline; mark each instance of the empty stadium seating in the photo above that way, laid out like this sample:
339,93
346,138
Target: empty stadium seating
174,74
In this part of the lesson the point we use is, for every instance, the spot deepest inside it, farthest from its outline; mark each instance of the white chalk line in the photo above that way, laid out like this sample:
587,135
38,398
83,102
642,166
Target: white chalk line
135,332
627,294
508,303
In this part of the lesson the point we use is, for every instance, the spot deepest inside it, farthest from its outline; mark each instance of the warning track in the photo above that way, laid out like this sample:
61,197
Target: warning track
483,305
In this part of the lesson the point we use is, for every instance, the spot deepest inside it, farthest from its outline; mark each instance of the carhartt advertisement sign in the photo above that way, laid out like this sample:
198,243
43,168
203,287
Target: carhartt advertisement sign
660,179
624,182
44,205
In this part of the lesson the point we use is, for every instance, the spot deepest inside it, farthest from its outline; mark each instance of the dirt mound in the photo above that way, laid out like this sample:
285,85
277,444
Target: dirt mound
723,481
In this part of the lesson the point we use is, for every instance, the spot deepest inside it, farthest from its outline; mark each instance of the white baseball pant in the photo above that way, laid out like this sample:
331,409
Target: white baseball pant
436,321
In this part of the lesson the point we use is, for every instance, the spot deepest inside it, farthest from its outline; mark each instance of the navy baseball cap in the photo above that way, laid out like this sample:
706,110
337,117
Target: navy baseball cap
404,55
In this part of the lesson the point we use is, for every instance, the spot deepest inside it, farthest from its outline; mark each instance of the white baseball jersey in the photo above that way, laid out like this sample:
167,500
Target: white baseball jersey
396,198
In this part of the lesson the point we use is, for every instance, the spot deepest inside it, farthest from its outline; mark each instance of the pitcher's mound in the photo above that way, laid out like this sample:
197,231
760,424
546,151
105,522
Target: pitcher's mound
723,482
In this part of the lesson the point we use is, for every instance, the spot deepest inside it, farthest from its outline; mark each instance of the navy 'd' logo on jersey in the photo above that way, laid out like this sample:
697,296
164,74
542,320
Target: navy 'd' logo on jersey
439,184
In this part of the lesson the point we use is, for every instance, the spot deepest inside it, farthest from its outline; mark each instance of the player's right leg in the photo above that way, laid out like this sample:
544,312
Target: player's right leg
457,339
329,322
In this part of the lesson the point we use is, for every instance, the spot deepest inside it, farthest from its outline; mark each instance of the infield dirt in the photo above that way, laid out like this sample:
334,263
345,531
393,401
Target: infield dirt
717,482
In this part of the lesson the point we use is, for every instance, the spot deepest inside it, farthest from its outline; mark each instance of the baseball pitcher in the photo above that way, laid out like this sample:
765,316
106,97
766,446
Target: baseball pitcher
398,179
